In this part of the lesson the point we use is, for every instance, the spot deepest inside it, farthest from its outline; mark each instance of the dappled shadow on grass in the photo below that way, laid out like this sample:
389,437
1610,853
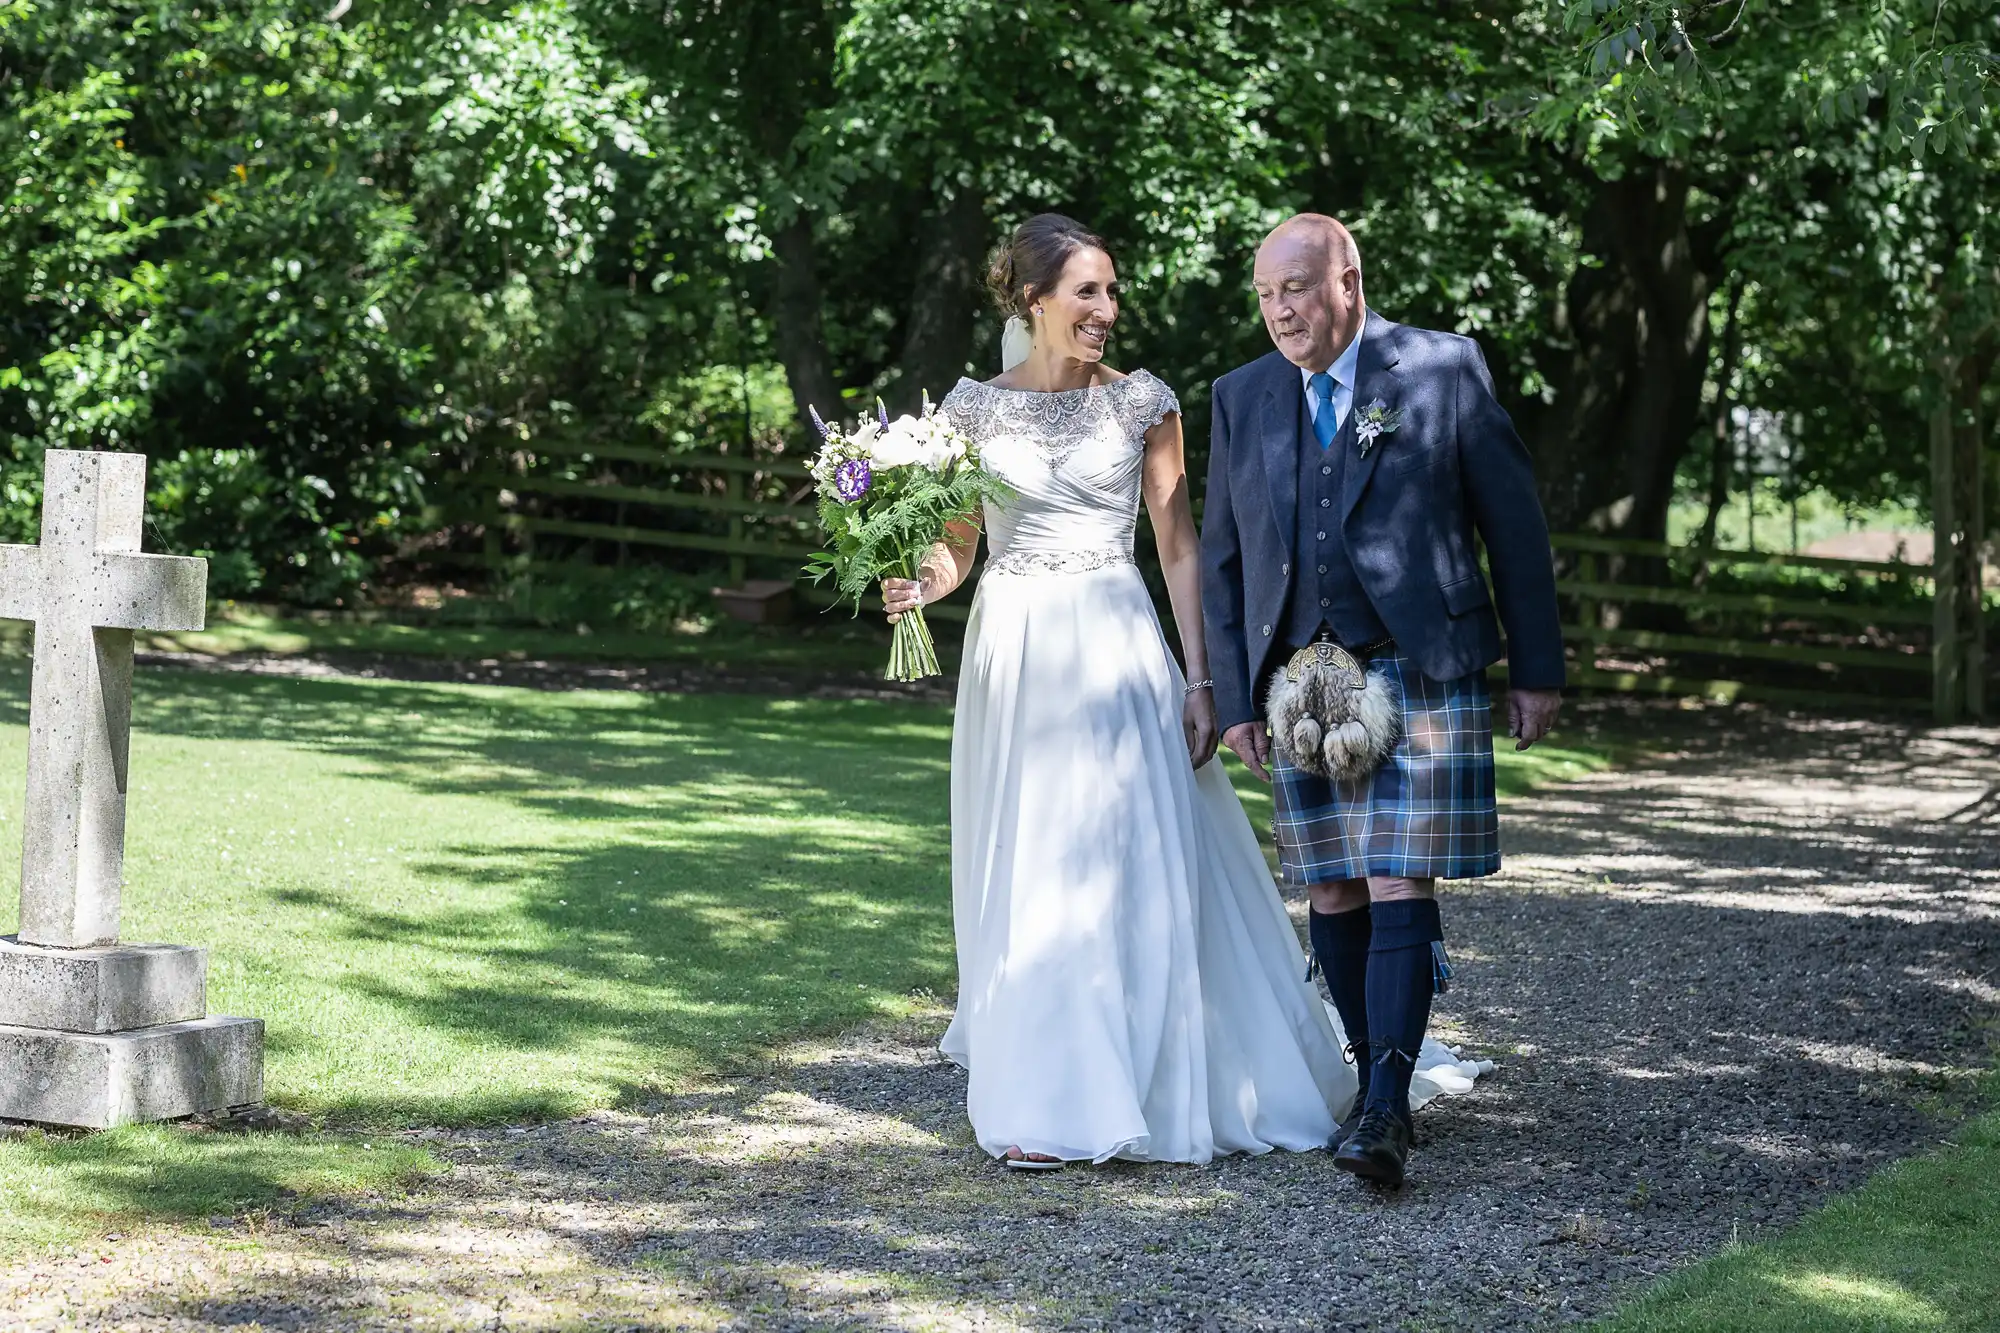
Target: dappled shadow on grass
572,753
59,1190
696,955
814,644
694,878
690,878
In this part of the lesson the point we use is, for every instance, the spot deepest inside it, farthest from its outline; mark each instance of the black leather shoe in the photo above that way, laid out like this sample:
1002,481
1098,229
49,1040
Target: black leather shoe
1378,1147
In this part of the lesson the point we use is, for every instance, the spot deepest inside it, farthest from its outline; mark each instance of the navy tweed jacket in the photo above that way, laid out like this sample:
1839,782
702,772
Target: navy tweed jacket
1455,467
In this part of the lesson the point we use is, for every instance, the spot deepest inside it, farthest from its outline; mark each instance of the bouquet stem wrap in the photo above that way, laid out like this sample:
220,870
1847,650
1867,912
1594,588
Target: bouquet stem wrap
912,651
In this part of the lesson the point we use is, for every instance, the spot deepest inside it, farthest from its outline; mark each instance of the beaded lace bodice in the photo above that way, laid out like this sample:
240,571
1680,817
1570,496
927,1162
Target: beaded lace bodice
1074,460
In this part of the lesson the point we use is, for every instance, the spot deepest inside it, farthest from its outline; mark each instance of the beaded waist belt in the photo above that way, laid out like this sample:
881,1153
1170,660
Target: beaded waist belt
1012,561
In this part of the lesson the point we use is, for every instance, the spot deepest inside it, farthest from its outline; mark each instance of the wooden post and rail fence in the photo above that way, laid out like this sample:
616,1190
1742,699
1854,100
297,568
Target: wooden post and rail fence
1694,622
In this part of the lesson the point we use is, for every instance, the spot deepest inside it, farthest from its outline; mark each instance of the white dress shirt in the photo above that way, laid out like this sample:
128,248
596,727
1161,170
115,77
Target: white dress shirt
1342,371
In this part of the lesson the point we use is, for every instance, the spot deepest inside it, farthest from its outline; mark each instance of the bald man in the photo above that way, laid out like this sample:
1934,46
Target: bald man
1350,472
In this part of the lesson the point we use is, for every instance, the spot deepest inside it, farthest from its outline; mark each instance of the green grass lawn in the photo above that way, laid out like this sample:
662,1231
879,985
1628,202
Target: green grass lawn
463,904
460,904
1916,1249
816,642
58,1192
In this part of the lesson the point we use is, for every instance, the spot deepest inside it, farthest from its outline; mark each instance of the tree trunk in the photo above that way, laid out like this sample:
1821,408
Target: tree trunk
944,301
800,335
1968,458
1947,657
1628,400
1722,445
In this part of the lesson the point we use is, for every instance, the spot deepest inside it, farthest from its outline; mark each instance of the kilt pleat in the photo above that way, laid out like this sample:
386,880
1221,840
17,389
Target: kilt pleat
1430,811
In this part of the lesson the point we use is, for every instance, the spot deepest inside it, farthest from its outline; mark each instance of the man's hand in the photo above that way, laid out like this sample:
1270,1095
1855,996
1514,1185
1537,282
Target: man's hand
1531,715
1251,742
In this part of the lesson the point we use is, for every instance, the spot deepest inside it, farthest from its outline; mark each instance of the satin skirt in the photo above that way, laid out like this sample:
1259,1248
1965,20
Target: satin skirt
1129,982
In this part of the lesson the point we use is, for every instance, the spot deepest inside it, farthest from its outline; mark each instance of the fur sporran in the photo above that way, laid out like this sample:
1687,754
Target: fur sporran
1331,717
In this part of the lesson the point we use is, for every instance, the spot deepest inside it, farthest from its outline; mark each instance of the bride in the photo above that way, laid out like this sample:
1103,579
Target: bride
1129,982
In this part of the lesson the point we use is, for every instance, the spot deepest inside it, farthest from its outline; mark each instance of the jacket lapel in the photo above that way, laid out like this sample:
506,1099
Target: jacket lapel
1375,379
1283,408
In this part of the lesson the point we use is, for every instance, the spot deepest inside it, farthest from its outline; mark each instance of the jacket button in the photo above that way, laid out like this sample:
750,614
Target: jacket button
1284,569
1325,504
1267,631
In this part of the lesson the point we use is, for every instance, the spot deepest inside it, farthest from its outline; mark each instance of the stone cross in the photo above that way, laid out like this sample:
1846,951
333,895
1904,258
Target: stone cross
94,1032
87,588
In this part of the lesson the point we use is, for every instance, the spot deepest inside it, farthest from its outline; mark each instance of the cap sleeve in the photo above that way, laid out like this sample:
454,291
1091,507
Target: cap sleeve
965,408
1148,402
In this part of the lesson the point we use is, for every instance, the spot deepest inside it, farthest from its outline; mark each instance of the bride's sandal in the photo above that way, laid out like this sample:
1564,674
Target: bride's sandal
1024,1162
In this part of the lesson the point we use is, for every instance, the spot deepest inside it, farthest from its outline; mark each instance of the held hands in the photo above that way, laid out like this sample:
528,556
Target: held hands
1251,742
1198,725
1531,715
901,595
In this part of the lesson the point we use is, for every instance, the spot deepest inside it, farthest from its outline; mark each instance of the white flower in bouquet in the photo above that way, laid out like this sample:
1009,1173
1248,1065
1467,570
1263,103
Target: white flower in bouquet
902,444
942,446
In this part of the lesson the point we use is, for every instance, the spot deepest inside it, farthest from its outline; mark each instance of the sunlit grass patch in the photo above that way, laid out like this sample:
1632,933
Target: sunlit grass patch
816,641
56,1191
1917,1248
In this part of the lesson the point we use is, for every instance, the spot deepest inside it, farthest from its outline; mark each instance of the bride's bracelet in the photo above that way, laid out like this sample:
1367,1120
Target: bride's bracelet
1194,685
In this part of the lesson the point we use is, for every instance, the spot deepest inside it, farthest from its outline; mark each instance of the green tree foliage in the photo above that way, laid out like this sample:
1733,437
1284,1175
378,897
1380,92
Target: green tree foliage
331,269
195,263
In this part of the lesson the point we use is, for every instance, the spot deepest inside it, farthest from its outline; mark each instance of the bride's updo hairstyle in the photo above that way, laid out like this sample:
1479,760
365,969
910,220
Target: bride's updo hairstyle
1031,262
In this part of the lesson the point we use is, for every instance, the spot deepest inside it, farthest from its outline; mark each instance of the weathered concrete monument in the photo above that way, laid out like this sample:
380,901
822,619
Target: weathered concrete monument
94,1032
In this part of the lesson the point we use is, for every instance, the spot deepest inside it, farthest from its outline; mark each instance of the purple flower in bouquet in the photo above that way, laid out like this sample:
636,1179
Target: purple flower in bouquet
852,479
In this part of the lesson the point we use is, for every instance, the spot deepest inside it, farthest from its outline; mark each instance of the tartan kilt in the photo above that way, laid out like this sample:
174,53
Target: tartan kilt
1429,812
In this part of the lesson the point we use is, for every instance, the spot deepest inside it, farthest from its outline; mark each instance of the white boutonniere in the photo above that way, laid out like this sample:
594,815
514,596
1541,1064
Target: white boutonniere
1376,419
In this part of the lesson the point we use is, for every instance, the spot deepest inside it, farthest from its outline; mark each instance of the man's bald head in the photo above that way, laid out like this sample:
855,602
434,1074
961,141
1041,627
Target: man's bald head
1317,231
1308,282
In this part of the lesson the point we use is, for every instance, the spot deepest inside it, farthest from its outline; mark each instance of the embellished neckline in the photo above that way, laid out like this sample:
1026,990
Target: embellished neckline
1056,422
1056,393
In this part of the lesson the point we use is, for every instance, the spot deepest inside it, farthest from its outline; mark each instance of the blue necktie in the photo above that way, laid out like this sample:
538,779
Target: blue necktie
1324,426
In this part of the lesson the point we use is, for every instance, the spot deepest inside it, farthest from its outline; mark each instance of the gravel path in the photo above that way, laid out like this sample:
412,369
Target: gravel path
1720,989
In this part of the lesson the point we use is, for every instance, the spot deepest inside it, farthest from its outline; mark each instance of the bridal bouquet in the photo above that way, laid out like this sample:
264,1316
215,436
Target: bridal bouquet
887,491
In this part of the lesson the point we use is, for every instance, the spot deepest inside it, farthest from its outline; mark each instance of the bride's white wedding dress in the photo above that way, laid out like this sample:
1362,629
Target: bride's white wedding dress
1129,983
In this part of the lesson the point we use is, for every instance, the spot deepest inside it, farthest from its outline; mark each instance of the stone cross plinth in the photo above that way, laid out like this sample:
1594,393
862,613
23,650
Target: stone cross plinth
93,1032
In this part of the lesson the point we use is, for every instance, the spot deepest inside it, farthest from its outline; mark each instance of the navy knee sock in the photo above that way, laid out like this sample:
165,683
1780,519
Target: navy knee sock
1340,946
1403,971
